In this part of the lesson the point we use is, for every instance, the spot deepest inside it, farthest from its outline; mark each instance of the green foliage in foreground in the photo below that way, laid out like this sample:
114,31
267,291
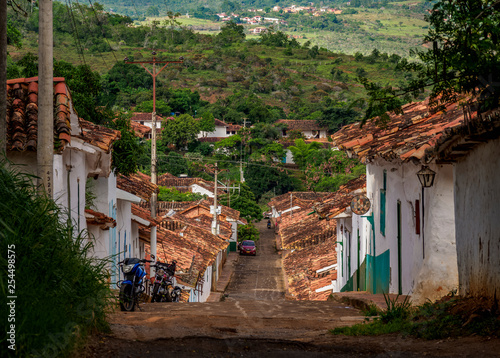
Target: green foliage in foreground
62,294
450,317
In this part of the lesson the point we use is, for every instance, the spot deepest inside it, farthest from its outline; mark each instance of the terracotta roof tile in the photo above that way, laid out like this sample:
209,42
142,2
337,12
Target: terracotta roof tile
140,129
406,137
144,117
22,113
300,269
99,136
145,214
138,184
301,124
99,219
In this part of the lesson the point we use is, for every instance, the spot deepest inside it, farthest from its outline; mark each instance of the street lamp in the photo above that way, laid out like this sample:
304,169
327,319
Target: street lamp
426,177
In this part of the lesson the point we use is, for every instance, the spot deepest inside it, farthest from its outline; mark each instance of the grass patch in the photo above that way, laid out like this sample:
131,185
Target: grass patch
452,316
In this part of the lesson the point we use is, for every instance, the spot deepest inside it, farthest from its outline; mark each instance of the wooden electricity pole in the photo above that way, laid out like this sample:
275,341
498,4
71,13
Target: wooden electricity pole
154,196
45,147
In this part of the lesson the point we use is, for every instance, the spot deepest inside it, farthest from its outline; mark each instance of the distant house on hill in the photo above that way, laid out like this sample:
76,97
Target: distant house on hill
309,128
222,130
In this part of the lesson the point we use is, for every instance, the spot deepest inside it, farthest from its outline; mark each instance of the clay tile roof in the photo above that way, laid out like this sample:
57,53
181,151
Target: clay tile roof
233,127
138,184
300,269
99,219
99,136
193,248
458,141
145,214
225,210
335,203
299,198
144,117
406,137
301,124
140,129
204,221
220,123
22,113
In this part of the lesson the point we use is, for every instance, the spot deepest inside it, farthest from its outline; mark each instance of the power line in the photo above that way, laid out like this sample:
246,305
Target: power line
102,30
84,20
77,37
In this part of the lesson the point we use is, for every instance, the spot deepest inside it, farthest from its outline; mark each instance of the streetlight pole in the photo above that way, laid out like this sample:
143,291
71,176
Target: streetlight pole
154,196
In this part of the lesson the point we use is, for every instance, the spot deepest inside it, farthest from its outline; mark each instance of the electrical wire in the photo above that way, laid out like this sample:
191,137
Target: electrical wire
84,20
77,36
102,30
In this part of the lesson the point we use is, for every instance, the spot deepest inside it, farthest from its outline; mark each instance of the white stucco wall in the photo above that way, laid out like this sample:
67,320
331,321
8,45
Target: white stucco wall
289,157
218,132
436,274
195,188
477,220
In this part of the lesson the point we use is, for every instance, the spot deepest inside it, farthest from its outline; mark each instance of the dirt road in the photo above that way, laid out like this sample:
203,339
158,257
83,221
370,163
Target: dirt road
255,320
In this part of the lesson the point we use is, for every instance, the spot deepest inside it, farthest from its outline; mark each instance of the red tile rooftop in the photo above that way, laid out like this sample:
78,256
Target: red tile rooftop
22,113
405,137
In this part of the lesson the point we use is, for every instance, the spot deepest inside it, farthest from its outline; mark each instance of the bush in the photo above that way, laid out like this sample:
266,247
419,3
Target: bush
62,293
248,232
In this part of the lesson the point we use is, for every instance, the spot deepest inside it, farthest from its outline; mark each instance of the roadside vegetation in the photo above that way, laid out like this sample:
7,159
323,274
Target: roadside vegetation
62,292
451,316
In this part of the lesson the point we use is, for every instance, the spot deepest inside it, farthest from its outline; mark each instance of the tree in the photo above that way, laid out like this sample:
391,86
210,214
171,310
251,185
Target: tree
162,108
127,150
230,33
207,122
244,202
464,59
180,131
248,232
301,151
262,178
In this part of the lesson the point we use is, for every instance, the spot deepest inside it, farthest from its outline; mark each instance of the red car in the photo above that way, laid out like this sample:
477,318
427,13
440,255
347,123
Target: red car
247,247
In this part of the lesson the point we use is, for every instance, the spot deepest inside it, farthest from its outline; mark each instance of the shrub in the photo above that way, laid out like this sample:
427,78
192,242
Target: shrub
62,293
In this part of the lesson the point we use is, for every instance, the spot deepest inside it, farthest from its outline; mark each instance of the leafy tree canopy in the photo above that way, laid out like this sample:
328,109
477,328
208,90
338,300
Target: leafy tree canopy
244,202
248,232
464,59
230,33
127,150
180,131
172,194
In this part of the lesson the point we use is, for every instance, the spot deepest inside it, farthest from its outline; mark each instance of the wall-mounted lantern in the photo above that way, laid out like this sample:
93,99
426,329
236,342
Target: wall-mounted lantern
426,176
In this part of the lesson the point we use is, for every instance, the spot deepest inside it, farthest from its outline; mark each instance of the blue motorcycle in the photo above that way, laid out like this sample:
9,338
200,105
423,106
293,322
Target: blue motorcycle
132,287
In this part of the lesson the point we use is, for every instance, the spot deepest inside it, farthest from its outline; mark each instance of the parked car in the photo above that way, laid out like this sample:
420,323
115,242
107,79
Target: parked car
247,247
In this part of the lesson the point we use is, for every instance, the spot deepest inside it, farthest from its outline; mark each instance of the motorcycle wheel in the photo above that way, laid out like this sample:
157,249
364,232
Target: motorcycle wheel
127,301
168,295
154,296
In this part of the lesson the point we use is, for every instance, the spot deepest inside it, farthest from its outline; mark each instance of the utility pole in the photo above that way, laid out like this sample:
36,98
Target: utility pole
45,147
3,75
214,222
154,196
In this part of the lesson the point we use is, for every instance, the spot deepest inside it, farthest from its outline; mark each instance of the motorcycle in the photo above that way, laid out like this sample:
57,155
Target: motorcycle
163,287
269,224
131,288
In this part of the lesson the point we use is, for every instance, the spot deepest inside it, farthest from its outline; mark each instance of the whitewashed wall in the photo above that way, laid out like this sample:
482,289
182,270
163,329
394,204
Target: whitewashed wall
436,274
477,220
195,188
289,157
218,132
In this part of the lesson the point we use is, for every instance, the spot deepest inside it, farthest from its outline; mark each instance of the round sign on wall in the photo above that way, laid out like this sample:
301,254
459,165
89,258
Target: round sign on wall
360,204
